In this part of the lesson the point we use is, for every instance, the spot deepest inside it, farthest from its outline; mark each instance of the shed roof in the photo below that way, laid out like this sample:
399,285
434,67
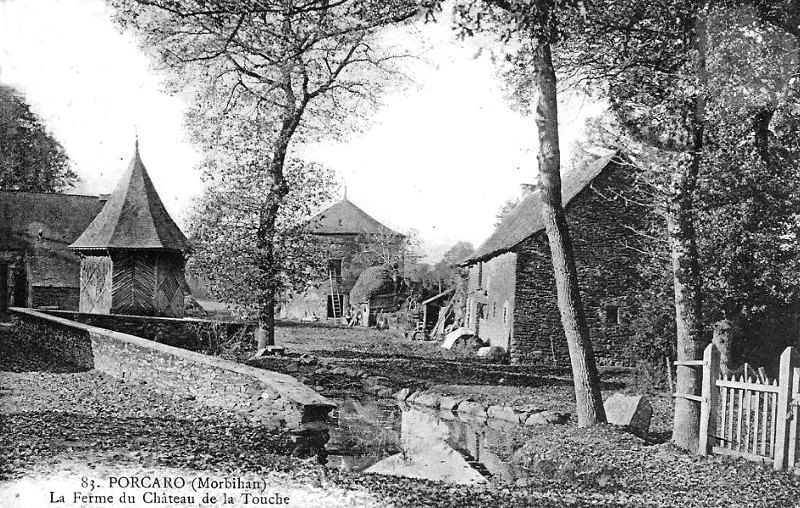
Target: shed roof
134,217
439,296
345,218
526,218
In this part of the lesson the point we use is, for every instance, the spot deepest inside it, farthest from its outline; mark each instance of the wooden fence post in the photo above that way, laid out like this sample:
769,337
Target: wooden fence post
793,425
709,399
789,360
723,339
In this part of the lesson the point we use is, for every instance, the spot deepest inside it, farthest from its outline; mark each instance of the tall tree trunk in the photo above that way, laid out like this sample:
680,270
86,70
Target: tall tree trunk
686,281
265,335
685,258
584,370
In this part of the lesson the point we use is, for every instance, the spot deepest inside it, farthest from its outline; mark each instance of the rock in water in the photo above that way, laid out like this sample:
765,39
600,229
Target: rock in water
492,354
632,411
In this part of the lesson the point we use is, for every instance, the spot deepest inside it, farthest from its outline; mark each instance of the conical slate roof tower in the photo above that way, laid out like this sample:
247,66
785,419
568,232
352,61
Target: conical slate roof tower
134,217
132,253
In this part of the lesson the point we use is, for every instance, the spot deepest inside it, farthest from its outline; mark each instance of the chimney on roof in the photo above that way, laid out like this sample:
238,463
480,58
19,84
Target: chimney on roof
527,189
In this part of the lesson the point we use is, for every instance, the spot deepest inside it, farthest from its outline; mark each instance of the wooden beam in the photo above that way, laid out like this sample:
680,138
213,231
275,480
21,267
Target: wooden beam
741,385
689,363
696,398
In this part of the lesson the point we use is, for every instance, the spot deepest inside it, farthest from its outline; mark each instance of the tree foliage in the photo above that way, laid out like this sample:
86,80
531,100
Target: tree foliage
446,273
31,159
747,187
226,218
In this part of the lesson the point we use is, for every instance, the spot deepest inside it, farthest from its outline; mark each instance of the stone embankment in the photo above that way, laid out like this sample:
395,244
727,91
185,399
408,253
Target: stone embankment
528,415
309,369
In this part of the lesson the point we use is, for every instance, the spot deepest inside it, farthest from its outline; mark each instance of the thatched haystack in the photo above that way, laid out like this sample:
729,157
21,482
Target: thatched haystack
375,280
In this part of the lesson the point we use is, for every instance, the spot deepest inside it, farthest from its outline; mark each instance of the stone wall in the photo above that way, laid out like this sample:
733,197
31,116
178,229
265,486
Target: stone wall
188,333
268,397
599,221
490,306
55,297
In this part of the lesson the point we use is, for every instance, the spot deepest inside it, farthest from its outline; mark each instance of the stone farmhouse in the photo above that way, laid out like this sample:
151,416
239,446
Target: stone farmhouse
36,230
352,241
510,290
118,254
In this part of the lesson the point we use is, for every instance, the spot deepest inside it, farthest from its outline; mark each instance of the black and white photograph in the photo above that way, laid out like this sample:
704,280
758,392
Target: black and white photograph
400,253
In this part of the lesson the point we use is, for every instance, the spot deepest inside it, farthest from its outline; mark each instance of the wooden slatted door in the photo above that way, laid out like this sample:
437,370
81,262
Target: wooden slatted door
134,282
96,285
169,291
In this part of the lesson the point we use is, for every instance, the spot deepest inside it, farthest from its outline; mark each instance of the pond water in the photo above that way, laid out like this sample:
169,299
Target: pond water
389,437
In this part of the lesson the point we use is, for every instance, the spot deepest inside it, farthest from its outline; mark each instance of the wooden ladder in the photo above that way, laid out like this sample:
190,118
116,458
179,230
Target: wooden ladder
336,299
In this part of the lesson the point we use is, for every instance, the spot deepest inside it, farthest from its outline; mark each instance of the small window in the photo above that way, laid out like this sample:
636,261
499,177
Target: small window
481,311
611,315
494,310
505,313
335,269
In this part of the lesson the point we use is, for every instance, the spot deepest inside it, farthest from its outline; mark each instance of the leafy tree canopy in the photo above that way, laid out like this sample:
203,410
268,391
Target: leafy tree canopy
31,159
226,218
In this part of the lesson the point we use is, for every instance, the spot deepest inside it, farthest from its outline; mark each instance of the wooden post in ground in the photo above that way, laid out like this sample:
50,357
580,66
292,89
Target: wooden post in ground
424,320
789,361
709,399
723,339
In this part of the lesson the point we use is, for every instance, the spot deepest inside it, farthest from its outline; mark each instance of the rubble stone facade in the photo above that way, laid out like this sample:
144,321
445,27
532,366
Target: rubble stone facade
602,223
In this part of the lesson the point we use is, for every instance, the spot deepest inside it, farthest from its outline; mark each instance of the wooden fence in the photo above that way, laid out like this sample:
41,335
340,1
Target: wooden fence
748,414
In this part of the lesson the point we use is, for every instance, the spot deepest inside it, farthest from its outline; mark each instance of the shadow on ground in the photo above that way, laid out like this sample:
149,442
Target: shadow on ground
32,437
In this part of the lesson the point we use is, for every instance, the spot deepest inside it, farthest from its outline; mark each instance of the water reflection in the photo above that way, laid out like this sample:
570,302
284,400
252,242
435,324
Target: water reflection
385,437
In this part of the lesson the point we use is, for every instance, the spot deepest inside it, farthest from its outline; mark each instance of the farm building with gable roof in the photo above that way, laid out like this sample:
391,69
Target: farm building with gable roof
511,296
35,230
352,241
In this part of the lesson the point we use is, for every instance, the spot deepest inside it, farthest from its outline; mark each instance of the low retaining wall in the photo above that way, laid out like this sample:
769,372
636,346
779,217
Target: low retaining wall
186,333
267,396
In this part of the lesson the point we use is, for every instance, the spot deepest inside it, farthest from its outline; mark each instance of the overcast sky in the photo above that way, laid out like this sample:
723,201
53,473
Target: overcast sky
440,157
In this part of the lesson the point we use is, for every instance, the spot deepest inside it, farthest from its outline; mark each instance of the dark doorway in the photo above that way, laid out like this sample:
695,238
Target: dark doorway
3,290
18,286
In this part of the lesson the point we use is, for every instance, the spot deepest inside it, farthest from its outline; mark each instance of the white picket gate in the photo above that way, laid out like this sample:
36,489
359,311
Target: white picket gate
749,415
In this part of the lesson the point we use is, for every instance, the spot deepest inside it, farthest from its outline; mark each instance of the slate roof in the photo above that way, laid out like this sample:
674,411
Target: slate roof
133,218
526,218
345,218
42,225
60,217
